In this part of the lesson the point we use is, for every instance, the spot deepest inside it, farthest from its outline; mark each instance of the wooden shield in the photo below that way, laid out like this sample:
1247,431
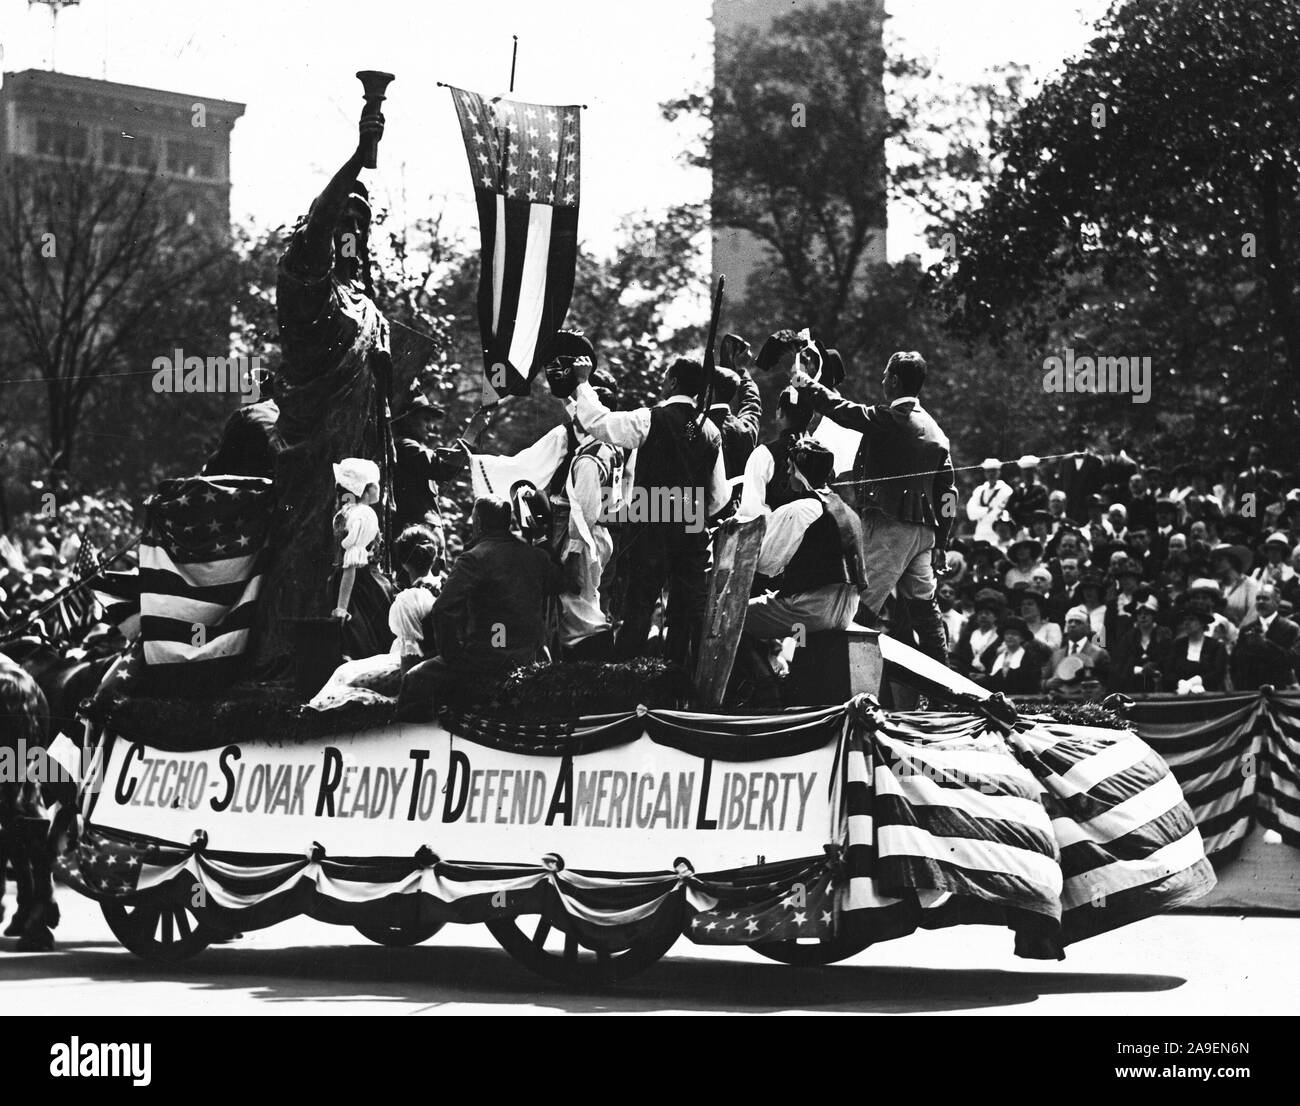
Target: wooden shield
735,557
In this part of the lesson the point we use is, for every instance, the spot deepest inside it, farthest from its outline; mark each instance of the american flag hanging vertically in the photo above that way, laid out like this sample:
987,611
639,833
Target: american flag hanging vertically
524,162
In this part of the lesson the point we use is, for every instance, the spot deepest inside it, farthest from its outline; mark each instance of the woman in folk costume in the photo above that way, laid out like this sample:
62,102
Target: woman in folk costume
988,502
356,526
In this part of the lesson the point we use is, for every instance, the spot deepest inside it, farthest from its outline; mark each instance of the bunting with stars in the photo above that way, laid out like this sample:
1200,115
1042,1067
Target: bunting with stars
523,159
800,909
201,564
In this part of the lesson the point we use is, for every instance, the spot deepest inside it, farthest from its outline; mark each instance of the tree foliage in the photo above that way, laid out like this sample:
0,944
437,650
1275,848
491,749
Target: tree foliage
1145,204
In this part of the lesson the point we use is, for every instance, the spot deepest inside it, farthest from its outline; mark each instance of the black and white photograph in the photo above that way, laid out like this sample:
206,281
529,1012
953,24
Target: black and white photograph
720,507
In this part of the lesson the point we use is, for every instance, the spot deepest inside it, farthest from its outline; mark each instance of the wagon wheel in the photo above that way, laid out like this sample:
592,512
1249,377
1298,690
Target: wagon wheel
565,958
398,936
163,932
812,952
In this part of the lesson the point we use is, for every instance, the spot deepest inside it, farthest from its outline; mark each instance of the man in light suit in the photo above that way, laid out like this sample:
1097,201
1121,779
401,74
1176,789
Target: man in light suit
906,495
1095,660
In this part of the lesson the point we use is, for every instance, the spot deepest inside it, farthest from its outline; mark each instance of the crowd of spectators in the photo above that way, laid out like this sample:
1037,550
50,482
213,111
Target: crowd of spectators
1099,574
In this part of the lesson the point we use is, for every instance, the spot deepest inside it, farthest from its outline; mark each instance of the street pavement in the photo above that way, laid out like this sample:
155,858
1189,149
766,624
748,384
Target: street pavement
1177,964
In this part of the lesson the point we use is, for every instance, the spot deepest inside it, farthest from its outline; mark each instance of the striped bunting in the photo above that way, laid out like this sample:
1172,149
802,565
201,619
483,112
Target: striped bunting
523,159
1059,831
201,564
1279,770
1213,747
1129,846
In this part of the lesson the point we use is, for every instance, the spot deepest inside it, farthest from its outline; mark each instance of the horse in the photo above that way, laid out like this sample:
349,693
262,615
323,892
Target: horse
24,821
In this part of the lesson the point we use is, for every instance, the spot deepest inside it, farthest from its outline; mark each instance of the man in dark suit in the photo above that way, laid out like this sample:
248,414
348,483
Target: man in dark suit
906,491
679,475
1029,494
1262,484
1277,628
1079,478
1257,662
1141,502
491,614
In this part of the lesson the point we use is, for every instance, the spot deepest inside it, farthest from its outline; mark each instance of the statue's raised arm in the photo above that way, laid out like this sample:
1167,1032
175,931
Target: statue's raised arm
334,397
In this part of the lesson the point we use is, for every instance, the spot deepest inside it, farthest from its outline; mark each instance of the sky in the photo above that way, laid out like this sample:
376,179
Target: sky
292,62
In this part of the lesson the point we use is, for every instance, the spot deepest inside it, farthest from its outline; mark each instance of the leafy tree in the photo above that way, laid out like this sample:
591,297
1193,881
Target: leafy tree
1146,205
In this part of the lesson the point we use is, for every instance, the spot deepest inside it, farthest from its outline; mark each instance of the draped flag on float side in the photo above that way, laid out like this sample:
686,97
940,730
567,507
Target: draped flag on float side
201,564
524,162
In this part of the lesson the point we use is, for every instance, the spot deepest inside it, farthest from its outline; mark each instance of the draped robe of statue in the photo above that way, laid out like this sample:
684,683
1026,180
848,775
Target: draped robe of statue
333,397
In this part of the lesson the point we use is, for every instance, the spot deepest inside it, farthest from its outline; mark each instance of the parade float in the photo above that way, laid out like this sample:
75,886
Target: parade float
589,816
589,844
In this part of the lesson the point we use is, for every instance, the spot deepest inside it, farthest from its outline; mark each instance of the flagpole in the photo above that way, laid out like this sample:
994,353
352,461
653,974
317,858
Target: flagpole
514,55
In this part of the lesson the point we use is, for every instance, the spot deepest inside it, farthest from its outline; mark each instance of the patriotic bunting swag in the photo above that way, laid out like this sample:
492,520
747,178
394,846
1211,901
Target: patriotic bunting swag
524,162
923,820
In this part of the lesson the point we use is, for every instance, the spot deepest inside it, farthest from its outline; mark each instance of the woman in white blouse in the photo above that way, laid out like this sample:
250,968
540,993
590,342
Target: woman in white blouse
1031,610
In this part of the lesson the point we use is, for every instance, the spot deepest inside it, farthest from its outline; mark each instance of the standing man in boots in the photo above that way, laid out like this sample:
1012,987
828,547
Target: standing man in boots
678,484
904,479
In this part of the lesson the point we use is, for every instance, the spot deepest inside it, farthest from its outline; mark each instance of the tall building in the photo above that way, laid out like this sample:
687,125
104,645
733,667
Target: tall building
736,253
49,118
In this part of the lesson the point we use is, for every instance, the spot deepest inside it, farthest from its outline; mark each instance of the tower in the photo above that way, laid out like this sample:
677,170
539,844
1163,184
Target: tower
736,253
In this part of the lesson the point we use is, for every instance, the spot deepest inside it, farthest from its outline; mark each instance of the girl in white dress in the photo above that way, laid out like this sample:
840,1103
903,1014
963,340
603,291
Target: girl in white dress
356,525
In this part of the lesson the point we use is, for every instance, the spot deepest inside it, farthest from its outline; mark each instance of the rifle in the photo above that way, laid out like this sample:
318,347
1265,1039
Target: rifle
709,364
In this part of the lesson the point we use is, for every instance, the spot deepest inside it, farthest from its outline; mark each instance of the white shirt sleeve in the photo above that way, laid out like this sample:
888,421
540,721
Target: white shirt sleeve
585,501
719,489
759,469
627,429
785,530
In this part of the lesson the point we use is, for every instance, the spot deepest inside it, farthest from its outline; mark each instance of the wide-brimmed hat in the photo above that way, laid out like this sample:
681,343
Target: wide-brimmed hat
1239,555
1034,546
1145,599
1033,597
1204,583
1015,622
1205,618
990,599
1127,567
991,463
1277,537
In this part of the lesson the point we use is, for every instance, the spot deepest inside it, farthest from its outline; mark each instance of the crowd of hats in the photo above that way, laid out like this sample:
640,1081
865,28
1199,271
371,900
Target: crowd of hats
1167,541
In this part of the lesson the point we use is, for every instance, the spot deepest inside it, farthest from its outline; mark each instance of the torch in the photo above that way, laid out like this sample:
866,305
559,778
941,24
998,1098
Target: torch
374,83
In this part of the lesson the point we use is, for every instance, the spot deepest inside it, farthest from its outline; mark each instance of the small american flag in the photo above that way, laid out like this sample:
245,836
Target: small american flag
101,865
78,608
523,159
201,564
